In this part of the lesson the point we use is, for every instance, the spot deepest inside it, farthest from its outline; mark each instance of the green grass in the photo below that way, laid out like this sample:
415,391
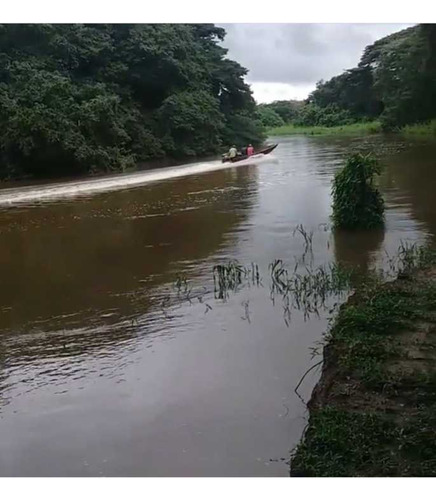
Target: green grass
353,129
420,130
351,444
373,413
326,451
363,331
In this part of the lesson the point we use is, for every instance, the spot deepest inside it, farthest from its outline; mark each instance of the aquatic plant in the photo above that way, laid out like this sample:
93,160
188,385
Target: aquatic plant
230,276
357,203
309,290
308,238
304,287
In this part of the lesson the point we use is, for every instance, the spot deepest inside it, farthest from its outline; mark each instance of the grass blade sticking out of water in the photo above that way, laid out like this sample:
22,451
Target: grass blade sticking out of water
304,288
308,240
231,276
310,291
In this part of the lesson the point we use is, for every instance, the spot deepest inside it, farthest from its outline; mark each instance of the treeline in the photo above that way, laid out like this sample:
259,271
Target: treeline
394,82
84,98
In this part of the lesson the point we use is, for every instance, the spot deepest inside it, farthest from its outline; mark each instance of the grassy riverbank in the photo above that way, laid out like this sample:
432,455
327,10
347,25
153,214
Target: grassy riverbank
353,129
421,130
373,412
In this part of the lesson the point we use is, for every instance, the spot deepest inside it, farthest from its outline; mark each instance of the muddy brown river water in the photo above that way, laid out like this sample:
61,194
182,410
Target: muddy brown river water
106,371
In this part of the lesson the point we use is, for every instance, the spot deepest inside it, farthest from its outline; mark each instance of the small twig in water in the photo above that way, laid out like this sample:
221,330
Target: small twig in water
303,377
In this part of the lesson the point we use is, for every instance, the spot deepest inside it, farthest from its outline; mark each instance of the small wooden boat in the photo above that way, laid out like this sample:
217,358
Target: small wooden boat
241,157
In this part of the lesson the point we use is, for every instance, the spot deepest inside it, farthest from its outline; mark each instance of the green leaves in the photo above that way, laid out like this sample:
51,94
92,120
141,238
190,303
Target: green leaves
356,202
395,79
194,122
83,97
269,117
352,91
404,82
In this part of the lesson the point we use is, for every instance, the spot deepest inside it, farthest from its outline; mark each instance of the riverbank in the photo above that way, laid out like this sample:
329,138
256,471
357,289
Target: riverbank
421,130
373,412
418,131
352,129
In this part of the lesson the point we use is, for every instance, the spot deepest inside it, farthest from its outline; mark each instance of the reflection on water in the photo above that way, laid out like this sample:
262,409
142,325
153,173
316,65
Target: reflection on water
99,376
62,259
359,250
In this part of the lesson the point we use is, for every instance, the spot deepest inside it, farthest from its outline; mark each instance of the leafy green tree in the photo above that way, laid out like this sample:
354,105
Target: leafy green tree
287,110
84,97
312,115
191,123
242,130
395,79
269,117
351,91
403,79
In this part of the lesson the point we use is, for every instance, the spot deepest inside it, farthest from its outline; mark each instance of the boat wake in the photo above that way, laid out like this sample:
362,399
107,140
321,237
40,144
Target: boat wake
52,192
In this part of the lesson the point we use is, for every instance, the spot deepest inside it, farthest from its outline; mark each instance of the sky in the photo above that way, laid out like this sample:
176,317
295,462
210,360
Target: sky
286,60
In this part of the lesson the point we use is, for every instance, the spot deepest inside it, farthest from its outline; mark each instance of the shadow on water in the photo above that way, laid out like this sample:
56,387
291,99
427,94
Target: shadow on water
357,249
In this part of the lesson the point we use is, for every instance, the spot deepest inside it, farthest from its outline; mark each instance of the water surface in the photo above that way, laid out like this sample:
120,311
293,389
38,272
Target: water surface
104,372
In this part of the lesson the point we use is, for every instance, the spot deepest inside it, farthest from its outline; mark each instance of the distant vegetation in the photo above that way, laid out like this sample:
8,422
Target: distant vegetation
427,129
82,98
279,113
394,83
86,98
357,128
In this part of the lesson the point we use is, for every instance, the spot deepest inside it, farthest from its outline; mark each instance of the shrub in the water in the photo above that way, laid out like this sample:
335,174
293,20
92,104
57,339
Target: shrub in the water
357,203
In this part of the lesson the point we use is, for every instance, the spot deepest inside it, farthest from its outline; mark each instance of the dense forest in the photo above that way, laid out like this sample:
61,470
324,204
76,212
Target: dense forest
395,82
86,98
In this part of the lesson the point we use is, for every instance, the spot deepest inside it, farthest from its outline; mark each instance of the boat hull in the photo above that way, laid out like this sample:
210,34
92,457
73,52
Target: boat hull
264,151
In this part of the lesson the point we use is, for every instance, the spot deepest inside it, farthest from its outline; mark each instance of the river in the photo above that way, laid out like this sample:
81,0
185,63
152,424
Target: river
107,369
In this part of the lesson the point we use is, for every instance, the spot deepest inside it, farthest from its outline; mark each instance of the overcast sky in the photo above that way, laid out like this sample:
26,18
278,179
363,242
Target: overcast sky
286,60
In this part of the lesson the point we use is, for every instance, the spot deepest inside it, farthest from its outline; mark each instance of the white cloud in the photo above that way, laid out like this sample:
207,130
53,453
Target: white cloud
288,59
265,92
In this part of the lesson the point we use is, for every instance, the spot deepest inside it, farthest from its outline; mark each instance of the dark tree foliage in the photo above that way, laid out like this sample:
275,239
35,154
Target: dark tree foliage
82,97
405,79
351,91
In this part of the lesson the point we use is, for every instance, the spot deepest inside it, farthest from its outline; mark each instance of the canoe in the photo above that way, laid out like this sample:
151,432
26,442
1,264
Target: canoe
263,151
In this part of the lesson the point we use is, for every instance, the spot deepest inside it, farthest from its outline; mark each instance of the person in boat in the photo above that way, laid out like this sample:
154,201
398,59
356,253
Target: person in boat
250,150
233,152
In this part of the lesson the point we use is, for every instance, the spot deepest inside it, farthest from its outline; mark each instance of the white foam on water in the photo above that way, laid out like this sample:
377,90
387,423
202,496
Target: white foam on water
13,196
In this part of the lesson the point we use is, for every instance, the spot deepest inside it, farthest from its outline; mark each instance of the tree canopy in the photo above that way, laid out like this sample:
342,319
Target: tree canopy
82,97
394,80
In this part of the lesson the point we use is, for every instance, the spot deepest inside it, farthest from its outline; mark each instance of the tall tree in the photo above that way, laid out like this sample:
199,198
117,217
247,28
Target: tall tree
395,79
84,97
